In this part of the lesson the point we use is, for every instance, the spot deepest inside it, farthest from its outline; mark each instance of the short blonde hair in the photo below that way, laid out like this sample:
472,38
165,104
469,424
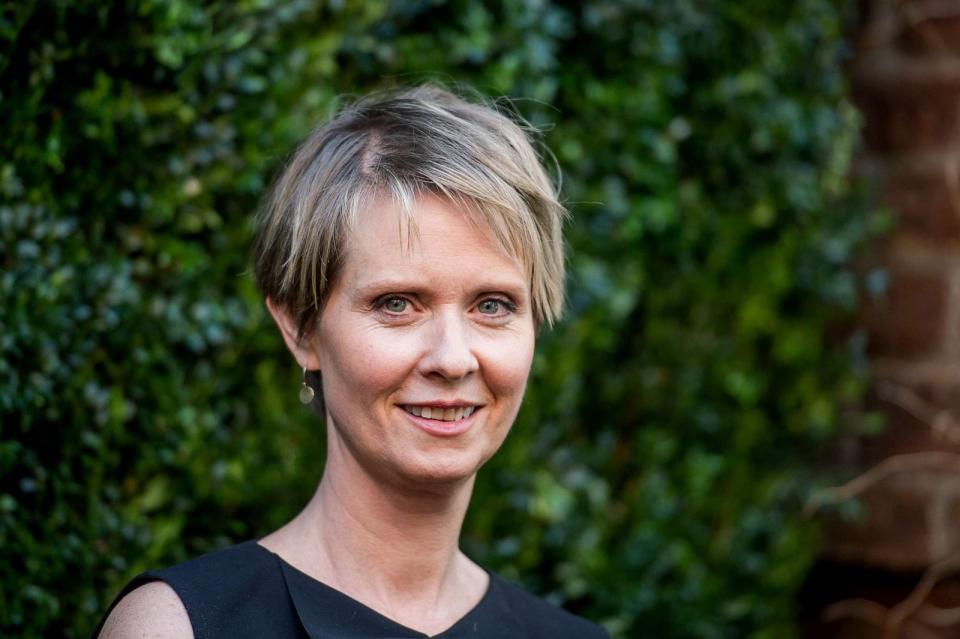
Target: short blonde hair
400,144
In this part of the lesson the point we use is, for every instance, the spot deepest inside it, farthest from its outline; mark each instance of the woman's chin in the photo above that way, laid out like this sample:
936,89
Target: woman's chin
441,470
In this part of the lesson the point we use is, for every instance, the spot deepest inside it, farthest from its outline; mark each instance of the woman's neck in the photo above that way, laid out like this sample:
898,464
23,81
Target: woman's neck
406,539
394,548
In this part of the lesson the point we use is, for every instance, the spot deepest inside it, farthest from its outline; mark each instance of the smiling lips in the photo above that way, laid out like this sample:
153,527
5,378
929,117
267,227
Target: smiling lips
441,413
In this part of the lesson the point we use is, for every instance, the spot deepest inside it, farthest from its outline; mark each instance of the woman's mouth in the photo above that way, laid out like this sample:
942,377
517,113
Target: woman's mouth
442,421
441,413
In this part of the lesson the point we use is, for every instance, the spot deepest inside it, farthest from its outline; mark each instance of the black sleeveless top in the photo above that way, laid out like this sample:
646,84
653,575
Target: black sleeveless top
246,591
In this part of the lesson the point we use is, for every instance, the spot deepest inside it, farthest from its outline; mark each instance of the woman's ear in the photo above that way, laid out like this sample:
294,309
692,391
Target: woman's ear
300,348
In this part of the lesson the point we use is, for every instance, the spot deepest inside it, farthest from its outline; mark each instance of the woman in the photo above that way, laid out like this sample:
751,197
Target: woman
408,254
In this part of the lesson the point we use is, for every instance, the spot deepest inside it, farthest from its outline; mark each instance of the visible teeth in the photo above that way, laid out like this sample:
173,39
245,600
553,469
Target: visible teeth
441,414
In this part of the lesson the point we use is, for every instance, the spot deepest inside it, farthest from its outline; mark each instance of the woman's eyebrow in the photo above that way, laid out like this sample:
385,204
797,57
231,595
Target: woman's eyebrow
515,289
386,285
510,286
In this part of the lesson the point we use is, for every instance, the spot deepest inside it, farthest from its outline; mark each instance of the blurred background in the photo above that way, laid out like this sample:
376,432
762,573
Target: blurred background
746,426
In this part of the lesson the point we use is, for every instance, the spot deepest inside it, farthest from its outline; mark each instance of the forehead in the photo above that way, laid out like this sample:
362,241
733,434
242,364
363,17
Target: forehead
433,234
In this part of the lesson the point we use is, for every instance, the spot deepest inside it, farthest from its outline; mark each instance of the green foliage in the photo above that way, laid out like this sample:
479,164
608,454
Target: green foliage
654,478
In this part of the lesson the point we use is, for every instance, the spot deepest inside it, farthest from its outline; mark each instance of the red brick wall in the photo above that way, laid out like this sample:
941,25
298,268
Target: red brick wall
906,81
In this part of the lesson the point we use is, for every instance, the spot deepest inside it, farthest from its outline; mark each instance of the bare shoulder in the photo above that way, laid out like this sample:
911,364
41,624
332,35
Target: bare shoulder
151,611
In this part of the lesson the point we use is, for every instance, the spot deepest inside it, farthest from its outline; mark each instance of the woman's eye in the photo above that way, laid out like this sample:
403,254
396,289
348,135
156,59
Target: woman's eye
494,307
489,307
394,304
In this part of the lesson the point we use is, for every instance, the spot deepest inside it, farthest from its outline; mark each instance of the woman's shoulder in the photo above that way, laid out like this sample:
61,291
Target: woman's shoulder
247,560
238,591
221,578
153,608
543,620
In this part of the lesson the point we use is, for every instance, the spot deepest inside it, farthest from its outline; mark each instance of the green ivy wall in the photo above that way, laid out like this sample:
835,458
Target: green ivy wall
653,482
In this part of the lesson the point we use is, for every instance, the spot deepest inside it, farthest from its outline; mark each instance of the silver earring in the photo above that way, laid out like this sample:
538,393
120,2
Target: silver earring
306,392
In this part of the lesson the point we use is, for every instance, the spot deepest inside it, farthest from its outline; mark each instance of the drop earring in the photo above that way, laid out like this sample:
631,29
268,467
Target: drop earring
306,391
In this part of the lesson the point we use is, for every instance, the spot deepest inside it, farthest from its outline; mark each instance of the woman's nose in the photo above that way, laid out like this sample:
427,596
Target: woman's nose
449,352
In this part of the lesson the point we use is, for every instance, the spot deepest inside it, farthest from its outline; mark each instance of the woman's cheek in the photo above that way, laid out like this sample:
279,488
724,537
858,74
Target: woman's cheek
388,357
507,365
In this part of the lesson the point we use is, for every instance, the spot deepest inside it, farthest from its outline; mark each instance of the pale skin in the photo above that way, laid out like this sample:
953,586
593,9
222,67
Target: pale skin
439,320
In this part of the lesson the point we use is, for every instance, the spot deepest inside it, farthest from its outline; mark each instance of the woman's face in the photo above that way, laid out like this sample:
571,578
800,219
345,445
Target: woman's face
424,344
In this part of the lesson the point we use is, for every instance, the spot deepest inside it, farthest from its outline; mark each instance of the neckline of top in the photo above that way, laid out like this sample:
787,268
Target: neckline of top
307,603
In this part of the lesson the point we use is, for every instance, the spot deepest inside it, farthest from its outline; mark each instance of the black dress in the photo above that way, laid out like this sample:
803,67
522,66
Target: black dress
248,591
